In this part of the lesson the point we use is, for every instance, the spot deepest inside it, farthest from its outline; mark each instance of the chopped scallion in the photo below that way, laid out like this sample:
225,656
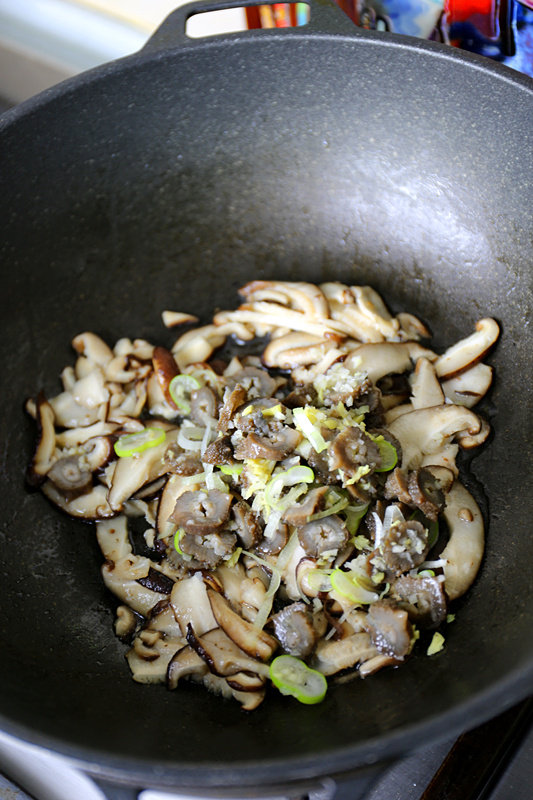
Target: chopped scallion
181,387
293,677
131,444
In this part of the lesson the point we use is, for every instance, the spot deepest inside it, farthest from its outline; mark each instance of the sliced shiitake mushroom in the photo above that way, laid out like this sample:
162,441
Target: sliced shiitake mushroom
257,643
222,656
202,512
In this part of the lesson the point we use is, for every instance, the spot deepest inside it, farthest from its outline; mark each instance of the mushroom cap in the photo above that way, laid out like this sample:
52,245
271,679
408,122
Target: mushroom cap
467,352
322,535
202,512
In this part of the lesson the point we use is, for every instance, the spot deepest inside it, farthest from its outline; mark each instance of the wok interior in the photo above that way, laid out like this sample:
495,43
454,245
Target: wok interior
167,183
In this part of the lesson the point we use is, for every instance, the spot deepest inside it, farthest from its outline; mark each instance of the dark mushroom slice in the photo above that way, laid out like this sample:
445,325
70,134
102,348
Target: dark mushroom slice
275,543
219,452
249,700
250,417
222,656
323,535
165,369
46,442
126,623
157,582
390,438
248,529
404,547
352,396
69,474
186,662
202,512
92,504
233,401
206,551
277,446
253,641
351,449
256,381
246,682
314,501
74,472
396,487
389,628
319,462
423,598
425,492
181,462
203,405
151,490
300,396
293,627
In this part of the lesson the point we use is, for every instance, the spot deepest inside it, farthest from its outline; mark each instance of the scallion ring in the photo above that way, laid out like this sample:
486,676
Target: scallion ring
181,387
131,444
293,677
388,454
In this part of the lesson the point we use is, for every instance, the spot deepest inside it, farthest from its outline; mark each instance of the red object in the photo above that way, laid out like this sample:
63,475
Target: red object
461,10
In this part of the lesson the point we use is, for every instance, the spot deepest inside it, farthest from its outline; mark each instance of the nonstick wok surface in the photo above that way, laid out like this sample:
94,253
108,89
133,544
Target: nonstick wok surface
168,180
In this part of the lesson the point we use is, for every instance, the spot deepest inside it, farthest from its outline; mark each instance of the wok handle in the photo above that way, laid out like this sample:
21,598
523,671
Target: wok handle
325,18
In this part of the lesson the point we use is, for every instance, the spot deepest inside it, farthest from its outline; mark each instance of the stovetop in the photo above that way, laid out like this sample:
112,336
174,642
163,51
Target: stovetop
492,762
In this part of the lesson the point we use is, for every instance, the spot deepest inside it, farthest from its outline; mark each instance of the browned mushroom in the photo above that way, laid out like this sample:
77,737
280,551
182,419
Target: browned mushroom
186,662
313,502
274,544
222,656
202,512
275,447
218,452
165,369
253,641
423,598
389,629
68,474
323,535
425,492
352,449
232,402
396,487
205,551
247,527
256,381
293,627
203,405
404,546
46,442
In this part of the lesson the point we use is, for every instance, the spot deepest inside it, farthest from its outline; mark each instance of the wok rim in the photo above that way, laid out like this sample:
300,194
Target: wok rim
157,774
498,697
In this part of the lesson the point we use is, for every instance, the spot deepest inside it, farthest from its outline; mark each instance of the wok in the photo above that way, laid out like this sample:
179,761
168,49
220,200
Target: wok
167,180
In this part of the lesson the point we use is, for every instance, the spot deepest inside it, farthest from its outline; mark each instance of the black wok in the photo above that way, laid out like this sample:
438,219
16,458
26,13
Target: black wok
167,180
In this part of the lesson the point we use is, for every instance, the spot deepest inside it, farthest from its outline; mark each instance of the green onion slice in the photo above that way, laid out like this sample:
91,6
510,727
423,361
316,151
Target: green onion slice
293,476
177,536
352,586
353,515
387,451
131,444
340,505
181,387
293,677
231,469
309,429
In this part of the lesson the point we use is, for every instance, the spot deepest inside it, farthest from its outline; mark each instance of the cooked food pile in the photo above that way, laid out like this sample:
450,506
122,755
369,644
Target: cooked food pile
274,520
